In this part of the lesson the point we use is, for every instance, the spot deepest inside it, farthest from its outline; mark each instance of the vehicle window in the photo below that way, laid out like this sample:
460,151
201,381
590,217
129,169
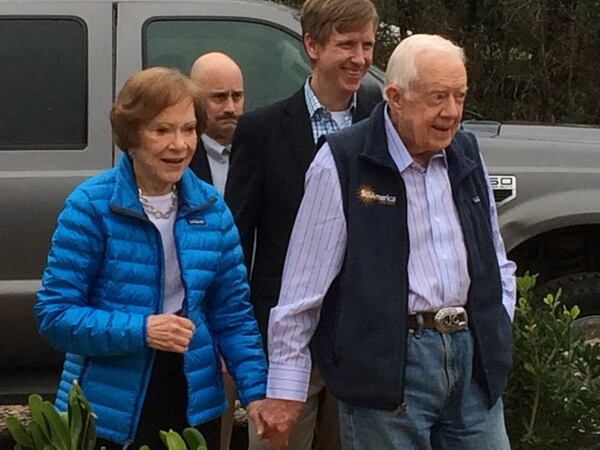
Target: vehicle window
273,62
43,91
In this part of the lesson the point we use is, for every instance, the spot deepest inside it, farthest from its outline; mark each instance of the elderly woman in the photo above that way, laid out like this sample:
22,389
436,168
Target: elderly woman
145,284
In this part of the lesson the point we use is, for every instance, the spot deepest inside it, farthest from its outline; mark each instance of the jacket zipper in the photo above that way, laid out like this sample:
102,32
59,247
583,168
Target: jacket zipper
401,406
158,307
184,305
150,363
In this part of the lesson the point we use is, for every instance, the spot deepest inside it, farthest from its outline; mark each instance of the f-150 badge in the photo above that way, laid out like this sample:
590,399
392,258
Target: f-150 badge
504,187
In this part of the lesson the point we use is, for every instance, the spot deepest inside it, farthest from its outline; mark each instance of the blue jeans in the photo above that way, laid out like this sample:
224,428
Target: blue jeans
445,408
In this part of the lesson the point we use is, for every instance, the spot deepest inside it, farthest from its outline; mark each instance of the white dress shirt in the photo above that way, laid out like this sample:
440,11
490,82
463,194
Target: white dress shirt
218,160
437,266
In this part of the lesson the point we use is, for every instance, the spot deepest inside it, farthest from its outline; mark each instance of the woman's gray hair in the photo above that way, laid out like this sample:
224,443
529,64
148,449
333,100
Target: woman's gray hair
402,70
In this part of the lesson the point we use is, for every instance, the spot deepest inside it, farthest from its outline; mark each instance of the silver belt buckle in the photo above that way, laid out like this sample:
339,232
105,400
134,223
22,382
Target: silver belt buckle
451,319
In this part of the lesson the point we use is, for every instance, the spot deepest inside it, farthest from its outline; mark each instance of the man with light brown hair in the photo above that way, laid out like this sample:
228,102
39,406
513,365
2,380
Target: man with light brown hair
272,149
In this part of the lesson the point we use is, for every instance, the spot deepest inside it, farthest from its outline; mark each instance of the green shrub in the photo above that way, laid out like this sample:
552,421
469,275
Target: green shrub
76,430
51,430
192,439
553,395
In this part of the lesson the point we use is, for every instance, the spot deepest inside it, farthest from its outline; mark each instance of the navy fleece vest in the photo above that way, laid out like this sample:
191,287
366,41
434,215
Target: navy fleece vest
360,342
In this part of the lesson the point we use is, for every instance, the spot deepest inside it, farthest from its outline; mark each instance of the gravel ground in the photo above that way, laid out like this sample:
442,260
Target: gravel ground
21,411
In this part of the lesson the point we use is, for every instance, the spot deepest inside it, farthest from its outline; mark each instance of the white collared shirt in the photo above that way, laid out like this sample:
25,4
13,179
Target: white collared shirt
218,161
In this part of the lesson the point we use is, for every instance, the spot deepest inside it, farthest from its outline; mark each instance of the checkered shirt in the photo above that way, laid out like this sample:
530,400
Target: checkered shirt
321,120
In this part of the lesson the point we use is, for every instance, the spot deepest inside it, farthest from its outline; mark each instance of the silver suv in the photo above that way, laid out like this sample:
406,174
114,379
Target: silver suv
546,181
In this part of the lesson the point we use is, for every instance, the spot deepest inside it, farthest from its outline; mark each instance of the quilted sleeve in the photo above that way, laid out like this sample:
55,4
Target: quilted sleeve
64,317
231,319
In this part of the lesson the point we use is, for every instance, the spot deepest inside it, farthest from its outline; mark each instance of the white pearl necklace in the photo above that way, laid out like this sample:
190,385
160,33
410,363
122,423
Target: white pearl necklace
150,209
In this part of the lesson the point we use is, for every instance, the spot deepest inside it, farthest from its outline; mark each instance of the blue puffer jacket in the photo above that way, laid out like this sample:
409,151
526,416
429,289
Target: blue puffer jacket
105,276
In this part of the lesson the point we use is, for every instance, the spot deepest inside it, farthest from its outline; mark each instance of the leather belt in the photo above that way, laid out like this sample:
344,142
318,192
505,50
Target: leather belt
446,320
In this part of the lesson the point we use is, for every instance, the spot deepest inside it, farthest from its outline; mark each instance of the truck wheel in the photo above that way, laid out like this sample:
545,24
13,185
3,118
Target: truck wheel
582,289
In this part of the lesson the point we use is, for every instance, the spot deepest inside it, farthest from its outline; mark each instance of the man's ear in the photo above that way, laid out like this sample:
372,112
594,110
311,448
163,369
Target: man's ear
311,46
395,96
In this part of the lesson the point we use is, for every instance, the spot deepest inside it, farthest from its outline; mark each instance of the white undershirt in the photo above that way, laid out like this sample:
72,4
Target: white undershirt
174,292
339,117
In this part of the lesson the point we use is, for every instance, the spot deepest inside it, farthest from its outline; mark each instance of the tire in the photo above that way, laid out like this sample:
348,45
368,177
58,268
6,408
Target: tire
582,289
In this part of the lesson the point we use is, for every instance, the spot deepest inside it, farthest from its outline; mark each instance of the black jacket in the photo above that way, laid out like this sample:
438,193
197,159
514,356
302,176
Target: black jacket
199,163
272,149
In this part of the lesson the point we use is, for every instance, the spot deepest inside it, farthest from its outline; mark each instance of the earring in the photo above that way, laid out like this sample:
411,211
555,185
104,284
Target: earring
131,154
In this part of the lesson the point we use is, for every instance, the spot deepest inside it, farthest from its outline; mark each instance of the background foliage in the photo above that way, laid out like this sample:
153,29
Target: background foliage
553,396
529,60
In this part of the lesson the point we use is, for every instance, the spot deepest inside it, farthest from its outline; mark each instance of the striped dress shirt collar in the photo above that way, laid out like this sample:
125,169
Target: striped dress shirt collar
398,150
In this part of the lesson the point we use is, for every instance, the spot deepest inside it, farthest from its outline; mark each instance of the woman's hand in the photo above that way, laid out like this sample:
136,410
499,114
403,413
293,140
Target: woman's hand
274,419
169,333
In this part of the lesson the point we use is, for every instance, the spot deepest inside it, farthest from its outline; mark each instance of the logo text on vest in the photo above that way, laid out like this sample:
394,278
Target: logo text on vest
367,196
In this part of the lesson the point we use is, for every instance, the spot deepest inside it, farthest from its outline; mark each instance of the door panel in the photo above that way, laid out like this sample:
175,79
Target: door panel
58,89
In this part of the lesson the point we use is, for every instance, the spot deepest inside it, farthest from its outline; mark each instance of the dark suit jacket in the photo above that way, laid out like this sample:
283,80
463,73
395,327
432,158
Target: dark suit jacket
199,163
272,149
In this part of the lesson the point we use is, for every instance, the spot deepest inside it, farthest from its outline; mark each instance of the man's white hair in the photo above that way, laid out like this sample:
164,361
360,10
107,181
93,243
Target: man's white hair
402,69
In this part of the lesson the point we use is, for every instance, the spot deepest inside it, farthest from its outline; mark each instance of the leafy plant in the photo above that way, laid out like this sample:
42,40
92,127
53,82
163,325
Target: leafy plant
553,394
51,430
75,429
192,439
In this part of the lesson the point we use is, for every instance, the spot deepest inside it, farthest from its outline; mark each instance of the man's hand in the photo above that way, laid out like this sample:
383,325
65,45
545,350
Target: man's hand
274,419
169,332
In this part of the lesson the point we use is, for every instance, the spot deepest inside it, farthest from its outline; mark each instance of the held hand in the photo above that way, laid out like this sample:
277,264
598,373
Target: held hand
169,332
274,420
253,413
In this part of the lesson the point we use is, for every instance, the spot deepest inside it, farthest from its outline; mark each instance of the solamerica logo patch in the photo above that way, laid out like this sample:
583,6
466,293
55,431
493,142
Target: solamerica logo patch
367,195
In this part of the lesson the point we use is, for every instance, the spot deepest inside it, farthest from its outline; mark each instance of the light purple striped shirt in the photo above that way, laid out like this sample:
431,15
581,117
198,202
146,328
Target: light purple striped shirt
437,264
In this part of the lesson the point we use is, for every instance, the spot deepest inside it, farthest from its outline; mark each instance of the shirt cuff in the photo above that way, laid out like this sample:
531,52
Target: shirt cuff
288,383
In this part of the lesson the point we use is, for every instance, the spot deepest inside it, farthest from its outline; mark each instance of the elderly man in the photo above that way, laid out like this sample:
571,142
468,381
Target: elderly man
397,272
222,90
222,93
272,150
